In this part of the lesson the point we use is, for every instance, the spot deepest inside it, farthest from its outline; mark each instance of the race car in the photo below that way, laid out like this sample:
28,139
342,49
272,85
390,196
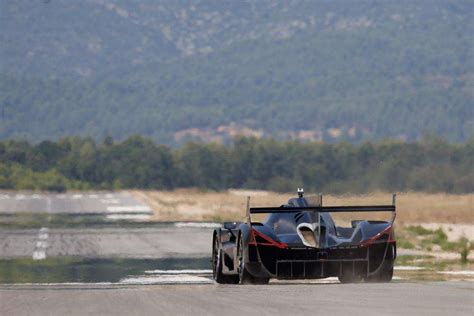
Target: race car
300,240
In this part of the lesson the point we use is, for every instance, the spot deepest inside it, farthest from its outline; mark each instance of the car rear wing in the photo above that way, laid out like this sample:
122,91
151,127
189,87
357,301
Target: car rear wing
324,209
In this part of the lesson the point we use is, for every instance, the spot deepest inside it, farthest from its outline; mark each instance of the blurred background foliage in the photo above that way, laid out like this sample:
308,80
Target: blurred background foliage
430,165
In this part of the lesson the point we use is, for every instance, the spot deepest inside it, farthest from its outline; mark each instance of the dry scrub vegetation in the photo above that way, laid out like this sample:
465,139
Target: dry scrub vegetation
195,205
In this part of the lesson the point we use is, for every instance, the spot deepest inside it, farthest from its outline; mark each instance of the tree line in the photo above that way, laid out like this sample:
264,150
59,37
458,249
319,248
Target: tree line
430,165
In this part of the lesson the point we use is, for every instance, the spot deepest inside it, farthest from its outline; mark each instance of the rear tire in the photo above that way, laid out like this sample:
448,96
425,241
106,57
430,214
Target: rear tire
350,278
385,274
244,276
217,274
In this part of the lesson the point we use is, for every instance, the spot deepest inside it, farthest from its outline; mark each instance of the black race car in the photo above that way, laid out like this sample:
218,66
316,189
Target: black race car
300,240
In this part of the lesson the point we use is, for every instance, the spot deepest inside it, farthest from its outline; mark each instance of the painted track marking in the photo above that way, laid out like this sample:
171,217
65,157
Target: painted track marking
460,273
167,279
408,268
41,244
185,271
129,209
134,217
197,225
109,201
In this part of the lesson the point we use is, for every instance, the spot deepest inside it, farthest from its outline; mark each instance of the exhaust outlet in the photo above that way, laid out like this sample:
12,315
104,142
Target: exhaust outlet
309,234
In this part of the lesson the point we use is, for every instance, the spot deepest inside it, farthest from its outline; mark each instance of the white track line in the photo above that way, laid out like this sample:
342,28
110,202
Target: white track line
167,279
330,280
57,284
179,279
169,272
136,217
109,201
129,209
408,268
197,225
39,255
460,273
41,244
185,276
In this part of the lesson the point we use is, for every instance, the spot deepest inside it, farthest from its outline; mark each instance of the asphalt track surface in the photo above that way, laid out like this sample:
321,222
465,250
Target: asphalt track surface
445,298
86,203
164,293
143,243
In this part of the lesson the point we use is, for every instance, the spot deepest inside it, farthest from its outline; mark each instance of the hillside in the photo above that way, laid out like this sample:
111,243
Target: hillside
209,70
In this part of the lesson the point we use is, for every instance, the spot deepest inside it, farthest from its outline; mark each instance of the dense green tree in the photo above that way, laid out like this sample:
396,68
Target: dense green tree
431,165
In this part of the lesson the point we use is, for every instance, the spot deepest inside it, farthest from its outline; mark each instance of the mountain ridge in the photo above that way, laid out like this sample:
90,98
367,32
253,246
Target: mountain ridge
175,71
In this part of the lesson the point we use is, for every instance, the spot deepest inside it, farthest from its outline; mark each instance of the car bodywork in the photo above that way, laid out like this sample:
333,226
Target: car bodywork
300,240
